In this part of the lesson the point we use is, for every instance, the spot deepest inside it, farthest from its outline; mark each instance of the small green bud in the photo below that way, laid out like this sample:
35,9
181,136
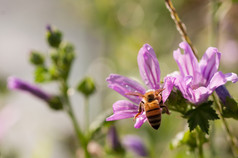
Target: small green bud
36,58
54,37
55,103
67,51
86,86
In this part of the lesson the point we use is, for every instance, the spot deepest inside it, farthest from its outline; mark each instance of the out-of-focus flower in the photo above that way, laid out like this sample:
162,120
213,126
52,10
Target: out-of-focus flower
17,84
95,149
197,80
150,73
8,117
135,144
113,139
132,143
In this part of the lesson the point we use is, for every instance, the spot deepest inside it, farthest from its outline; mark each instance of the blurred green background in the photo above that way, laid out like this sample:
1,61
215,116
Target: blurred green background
107,35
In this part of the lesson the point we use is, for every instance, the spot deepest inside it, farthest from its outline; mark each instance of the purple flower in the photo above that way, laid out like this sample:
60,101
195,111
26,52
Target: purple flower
150,73
17,84
135,144
197,80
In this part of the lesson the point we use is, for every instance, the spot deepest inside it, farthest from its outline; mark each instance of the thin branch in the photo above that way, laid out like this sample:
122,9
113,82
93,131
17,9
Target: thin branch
180,25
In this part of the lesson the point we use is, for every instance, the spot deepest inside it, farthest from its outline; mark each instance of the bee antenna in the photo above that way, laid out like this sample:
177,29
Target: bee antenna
135,94
160,90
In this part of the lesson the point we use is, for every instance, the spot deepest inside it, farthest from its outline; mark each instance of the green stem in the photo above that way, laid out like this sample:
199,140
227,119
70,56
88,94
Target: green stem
86,113
82,140
86,118
232,139
214,31
214,22
212,138
179,25
200,144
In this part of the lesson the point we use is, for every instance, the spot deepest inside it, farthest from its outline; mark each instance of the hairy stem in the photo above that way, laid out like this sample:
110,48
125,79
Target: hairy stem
79,134
179,25
232,140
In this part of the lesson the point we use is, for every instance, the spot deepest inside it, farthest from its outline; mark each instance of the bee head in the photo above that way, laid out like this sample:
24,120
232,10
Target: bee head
151,97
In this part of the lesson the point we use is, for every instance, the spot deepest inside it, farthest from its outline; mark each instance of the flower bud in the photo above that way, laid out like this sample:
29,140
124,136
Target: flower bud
55,103
54,37
113,139
135,144
86,86
36,58
17,84
223,94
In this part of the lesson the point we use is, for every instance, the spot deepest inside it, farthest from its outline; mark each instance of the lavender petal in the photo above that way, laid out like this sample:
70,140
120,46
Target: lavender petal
149,67
125,85
187,62
200,95
168,87
209,63
140,120
123,109
220,79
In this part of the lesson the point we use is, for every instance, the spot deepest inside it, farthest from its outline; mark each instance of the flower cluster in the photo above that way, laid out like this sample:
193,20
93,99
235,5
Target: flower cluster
196,80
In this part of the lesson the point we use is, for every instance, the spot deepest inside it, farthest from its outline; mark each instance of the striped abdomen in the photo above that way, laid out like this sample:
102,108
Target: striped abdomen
153,114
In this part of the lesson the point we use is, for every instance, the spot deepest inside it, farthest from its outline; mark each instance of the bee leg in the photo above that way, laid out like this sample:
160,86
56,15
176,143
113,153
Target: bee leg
166,109
139,110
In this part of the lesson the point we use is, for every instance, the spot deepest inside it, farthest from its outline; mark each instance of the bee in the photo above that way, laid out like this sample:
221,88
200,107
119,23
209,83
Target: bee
152,104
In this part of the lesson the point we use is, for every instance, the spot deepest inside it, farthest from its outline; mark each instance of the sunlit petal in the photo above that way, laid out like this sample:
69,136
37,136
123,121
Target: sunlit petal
123,109
149,67
124,85
209,63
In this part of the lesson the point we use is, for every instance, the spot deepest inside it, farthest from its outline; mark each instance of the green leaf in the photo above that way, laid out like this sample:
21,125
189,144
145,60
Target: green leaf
235,1
200,116
231,104
230,108
177,103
